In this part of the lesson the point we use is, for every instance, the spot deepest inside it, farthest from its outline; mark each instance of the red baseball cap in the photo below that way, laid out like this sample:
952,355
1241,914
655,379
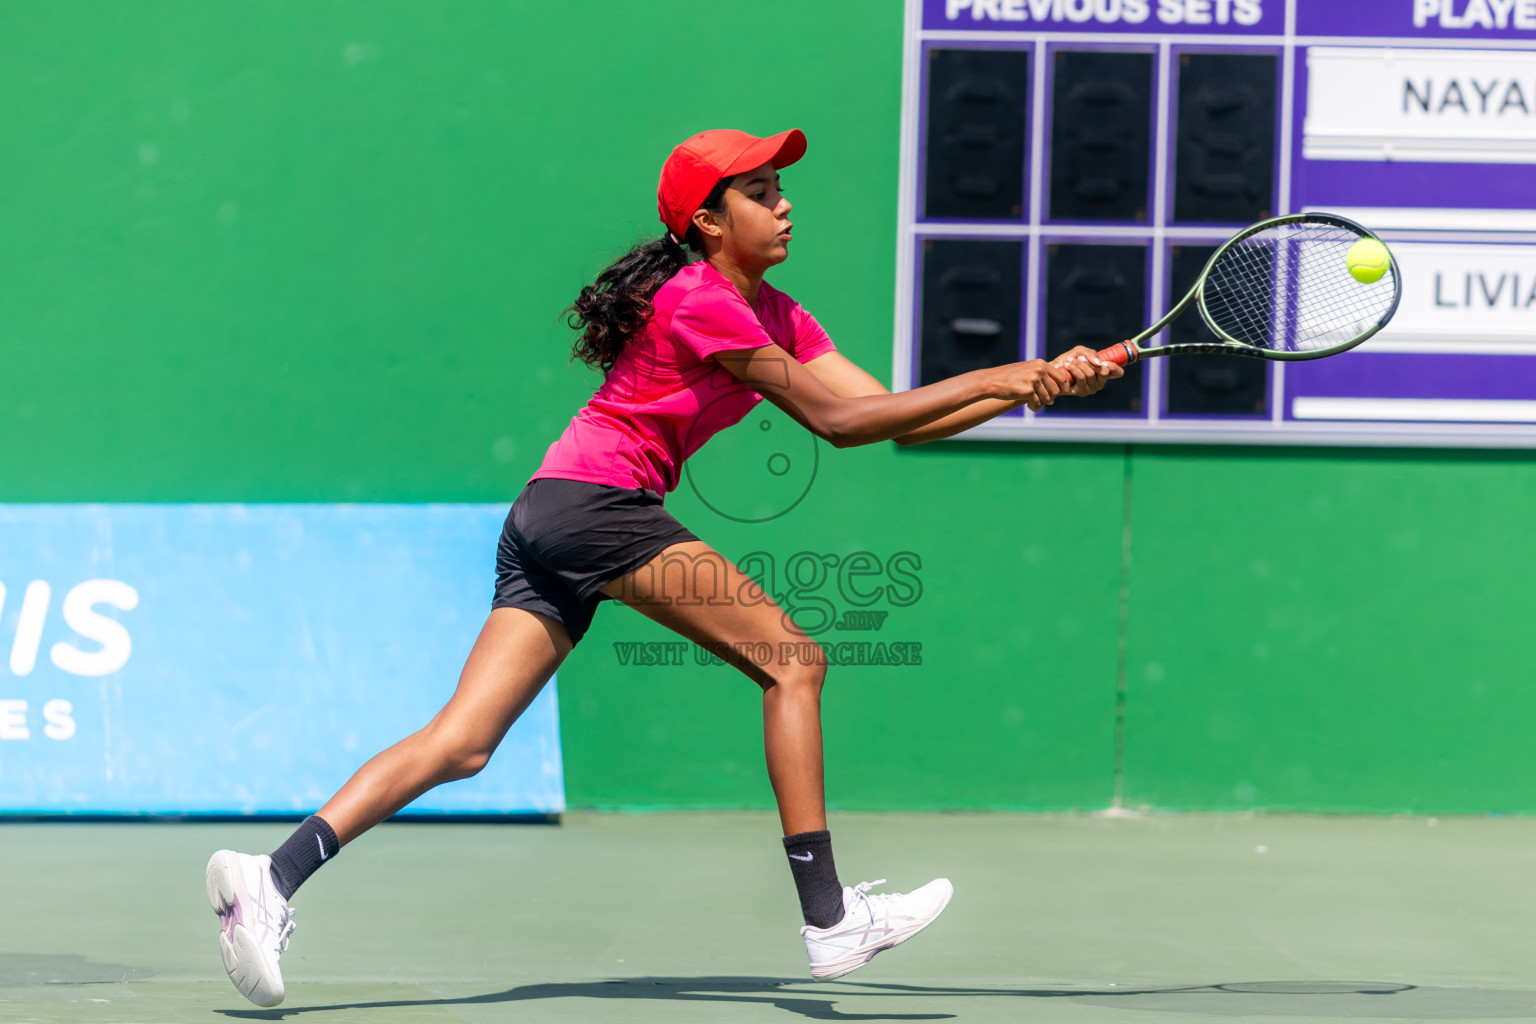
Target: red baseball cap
690,173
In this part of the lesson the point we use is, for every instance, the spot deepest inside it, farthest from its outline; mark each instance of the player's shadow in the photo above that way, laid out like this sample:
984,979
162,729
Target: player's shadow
1366,1000
765,991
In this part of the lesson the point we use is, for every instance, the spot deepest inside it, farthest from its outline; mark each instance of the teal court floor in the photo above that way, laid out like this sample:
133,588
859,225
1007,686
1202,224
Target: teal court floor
692,917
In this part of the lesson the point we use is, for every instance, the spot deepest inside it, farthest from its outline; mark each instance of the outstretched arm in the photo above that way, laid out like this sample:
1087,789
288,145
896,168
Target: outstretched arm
844,377
847,420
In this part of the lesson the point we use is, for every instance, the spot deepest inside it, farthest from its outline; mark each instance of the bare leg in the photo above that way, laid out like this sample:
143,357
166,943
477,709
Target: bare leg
516,653
696,592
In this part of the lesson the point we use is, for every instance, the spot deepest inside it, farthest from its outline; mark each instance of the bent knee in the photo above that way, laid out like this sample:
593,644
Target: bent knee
467,763
799,678
459,757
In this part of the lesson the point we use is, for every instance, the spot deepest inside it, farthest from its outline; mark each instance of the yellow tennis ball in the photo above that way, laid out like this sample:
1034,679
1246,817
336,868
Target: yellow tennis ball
1368,259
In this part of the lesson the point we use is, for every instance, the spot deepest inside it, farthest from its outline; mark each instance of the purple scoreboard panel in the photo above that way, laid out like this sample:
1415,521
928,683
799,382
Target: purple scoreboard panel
1069,165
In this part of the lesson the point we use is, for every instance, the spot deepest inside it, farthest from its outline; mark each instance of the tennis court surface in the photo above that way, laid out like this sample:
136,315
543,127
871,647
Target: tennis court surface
692,917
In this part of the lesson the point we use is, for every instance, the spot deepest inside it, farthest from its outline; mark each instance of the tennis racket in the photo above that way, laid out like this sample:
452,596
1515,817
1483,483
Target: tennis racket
1280,289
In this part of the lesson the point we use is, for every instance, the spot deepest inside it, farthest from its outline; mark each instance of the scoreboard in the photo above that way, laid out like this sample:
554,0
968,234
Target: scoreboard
1068,166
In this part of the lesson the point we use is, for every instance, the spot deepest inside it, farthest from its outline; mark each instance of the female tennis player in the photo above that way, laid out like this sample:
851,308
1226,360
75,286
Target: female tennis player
687,347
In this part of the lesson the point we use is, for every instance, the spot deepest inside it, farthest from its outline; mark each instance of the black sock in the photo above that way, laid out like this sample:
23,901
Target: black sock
821,894
312,844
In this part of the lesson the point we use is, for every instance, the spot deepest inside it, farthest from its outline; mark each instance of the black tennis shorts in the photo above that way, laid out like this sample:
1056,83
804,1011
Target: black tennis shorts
564,540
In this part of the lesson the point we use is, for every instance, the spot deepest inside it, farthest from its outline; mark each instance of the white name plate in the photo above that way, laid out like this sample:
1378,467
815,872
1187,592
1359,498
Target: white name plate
1445,106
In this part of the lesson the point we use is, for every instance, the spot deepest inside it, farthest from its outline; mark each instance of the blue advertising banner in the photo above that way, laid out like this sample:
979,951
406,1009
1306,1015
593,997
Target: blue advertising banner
243,660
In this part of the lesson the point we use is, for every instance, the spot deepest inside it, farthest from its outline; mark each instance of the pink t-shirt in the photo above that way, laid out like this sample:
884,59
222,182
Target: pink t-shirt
666,394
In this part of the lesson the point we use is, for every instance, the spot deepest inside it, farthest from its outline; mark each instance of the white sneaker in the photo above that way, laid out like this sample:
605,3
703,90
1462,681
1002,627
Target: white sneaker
254,920
871,924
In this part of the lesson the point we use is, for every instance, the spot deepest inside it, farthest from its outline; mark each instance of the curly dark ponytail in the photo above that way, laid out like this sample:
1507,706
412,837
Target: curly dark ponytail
609,311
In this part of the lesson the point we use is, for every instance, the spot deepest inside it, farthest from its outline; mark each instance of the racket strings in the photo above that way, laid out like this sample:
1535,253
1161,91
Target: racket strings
1288,288
1278,292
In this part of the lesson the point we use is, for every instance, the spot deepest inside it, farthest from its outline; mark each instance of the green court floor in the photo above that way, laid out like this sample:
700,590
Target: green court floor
692,917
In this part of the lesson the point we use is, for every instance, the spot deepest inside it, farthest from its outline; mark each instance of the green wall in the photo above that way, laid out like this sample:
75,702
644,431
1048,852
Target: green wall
318,251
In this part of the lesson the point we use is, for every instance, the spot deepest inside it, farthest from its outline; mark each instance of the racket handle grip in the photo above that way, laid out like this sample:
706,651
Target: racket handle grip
1122,354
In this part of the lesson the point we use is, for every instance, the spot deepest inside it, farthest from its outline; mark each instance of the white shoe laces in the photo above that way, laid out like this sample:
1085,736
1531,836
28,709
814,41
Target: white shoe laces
286,925
861,894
